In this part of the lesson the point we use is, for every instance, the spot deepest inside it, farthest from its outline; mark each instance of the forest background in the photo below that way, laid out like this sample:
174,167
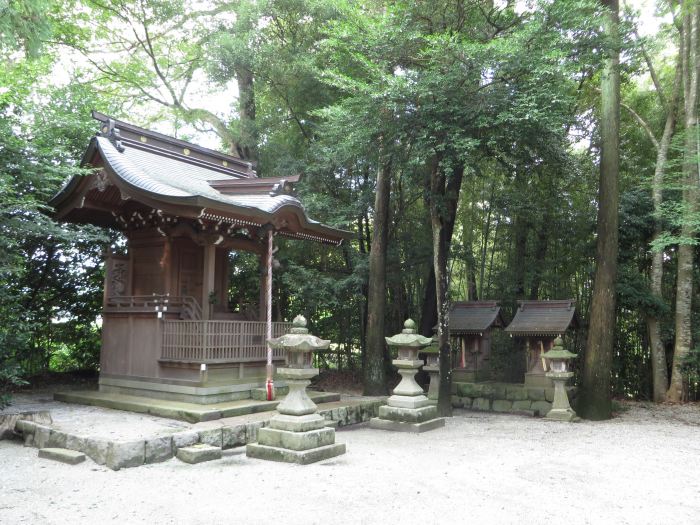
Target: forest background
462,134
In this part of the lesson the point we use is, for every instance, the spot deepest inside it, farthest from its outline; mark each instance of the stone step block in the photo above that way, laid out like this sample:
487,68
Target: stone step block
516,392
403,426
71,457
408,415
481,403
298,423
158,449
198,453
541,407
502,405
273,437
302,457
125,454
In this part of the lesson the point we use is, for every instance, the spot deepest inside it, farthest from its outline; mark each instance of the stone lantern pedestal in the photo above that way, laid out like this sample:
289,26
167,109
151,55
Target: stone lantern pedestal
432,366
408,409
559,373
297,434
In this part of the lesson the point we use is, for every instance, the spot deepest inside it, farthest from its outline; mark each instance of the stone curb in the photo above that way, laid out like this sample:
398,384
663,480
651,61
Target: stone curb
128,454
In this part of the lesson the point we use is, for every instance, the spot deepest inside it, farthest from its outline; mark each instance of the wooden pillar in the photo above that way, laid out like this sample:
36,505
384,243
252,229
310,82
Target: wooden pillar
167,265
208,279
262,314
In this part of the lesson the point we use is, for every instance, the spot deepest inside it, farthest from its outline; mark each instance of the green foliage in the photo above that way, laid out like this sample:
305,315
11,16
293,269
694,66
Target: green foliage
503,91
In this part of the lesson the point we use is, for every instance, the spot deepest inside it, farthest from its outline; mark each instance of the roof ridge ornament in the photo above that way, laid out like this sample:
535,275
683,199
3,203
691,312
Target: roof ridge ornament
112,133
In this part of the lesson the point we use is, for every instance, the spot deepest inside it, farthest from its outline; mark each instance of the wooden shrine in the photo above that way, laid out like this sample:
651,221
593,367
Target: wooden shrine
471,323
539,323
167,331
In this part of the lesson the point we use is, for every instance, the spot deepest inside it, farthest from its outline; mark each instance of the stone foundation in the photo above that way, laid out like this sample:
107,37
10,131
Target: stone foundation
513,398
222,434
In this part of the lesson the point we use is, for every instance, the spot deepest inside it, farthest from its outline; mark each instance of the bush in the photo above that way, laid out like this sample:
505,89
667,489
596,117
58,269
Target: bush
10,379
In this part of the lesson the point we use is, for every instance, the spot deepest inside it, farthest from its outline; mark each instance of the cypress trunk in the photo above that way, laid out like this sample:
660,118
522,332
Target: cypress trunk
374,369
596,401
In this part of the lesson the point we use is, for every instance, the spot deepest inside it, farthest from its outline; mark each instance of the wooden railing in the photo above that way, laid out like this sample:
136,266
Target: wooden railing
186,306
218,341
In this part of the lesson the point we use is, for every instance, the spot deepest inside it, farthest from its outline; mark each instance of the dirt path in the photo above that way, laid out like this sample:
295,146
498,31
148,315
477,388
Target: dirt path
643,467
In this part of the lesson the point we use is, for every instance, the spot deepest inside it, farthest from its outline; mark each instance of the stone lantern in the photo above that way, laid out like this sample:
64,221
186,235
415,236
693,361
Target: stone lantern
558,359
297,434
432,366
408,409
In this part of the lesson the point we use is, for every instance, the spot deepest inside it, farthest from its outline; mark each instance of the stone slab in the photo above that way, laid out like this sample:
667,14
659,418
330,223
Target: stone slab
502,405
516,393
522,405
125,454
198,453
158,449
71,457
298,423
190,412
397,401
408,415
481,403
273,437
537,394
212,436
185,439
302,457
400,426
11,422
233,436
557,414
541,407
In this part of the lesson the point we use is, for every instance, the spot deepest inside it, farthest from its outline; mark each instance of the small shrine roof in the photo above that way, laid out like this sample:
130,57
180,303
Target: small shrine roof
474,316
543,318
159,170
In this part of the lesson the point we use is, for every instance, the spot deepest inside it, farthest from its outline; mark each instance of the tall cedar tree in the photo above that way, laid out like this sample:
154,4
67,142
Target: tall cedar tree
596,394
374,368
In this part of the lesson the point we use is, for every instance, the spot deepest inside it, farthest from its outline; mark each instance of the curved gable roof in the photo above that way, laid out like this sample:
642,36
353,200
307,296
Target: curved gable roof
151,173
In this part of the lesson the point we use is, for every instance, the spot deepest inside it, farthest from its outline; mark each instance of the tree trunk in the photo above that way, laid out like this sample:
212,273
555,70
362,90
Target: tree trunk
596,401
374,370
248,140
440,211
521,226
658,352
429,312
691,158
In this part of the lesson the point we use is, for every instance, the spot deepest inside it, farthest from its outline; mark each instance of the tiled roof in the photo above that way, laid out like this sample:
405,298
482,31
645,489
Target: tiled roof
474,316
160,169
169,176
543,318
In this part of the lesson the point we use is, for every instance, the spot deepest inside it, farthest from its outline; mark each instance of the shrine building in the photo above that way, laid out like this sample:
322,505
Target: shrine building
167,330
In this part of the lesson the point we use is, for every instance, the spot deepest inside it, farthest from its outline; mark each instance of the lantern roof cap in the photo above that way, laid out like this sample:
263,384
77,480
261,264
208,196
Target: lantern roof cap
299,339
409,337
558,351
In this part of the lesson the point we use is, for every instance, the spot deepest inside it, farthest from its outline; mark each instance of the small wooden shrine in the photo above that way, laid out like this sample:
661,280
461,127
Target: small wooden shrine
539,323
471,323
167,331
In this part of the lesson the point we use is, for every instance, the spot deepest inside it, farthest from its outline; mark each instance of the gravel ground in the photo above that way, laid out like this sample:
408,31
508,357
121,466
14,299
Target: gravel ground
642,467
81,419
